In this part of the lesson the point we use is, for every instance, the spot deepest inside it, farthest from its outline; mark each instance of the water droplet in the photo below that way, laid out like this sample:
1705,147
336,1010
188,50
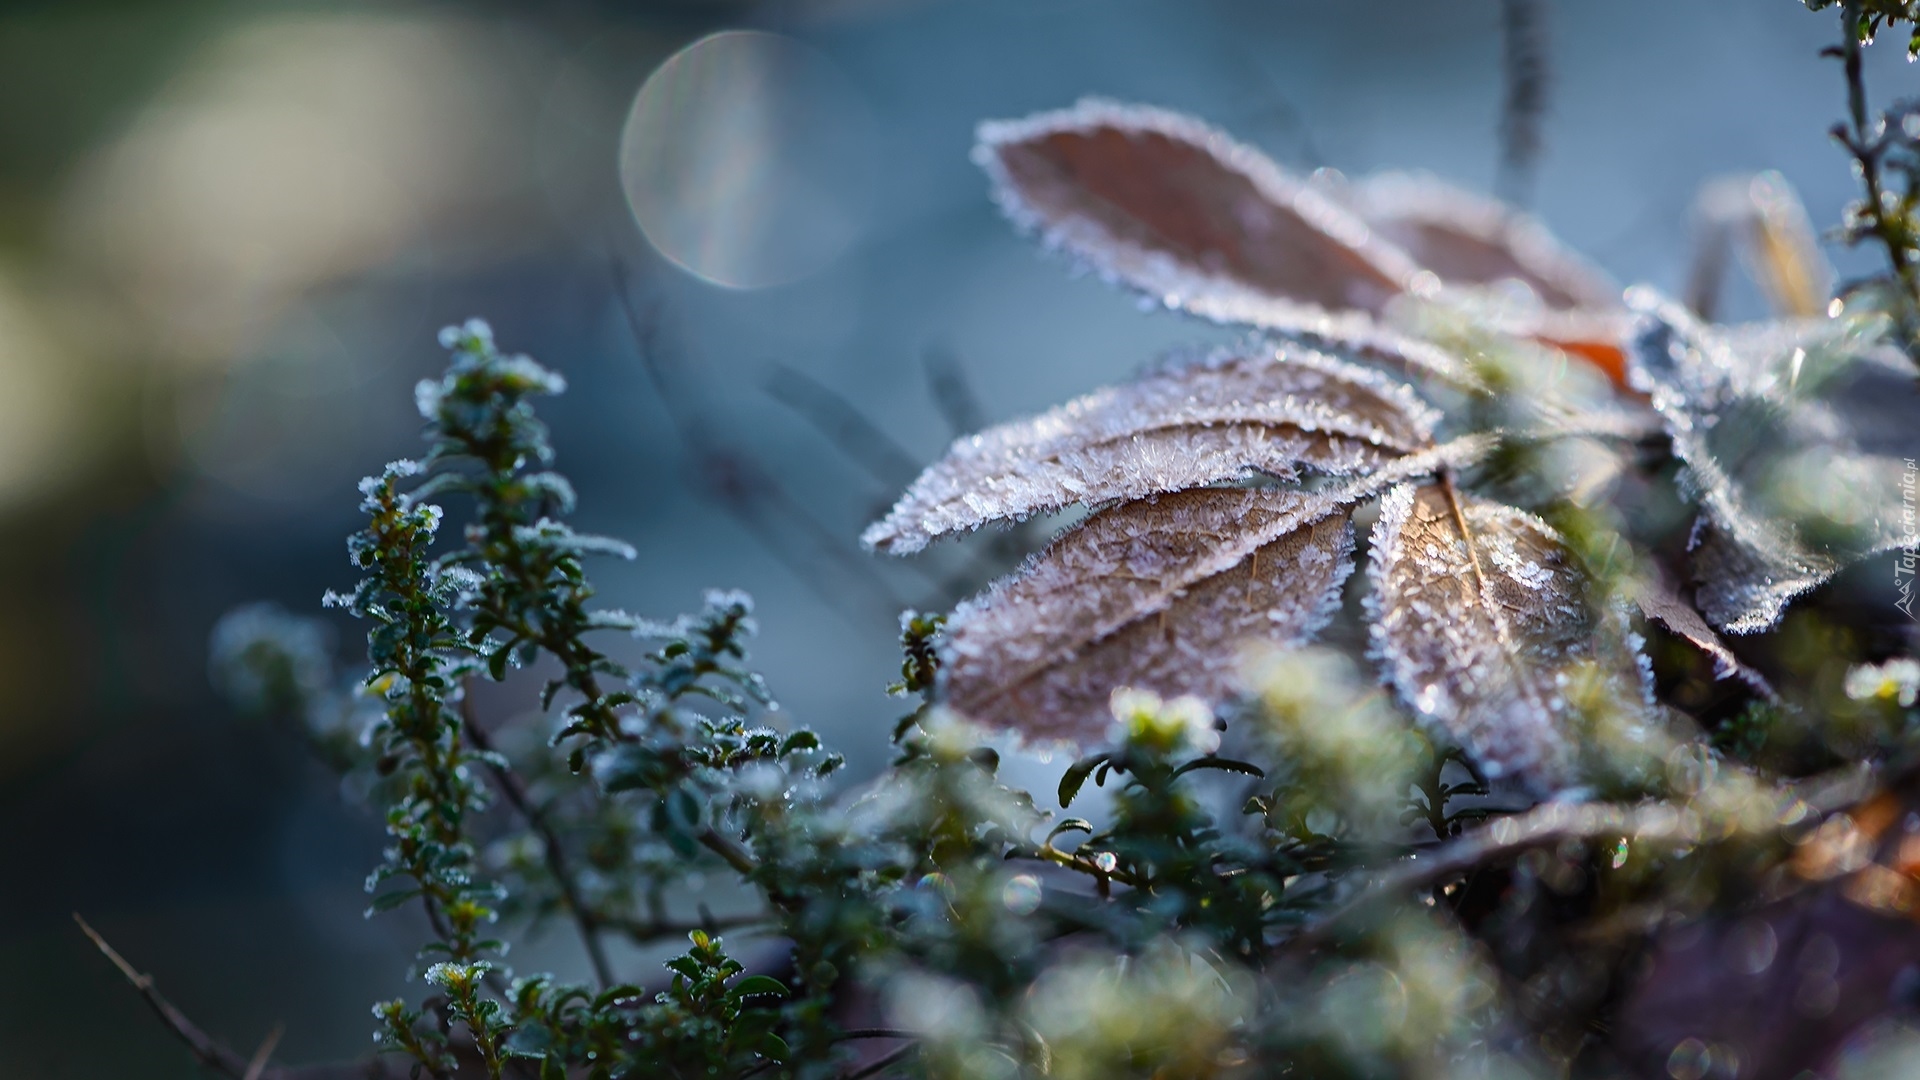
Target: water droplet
1691,1060
1105,862
1021,894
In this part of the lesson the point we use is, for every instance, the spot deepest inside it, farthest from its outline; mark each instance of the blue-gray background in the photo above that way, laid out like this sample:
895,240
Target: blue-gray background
228,232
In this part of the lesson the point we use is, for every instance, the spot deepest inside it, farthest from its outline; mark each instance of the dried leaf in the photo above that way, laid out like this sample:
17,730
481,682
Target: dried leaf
1111,604
1167,205
1660,603
1481,620
1467,239
1190,423
1787,497
1141,589
1761,218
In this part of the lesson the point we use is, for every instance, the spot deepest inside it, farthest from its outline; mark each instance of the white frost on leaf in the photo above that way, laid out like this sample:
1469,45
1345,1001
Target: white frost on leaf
1167,205
1270,410
1158,594
1786,497
1147,595
1483,624
1469,239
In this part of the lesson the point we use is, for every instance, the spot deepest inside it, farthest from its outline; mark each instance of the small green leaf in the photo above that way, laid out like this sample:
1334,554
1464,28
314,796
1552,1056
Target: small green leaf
1072,824
1223,764
1076,777
754,985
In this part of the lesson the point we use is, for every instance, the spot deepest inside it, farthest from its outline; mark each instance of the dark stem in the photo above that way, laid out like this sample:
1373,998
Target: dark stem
1523,32
885,1063
207,1050
641,931
516,793
1867,151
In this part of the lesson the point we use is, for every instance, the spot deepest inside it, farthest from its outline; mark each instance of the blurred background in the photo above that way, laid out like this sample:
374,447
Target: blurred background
229,232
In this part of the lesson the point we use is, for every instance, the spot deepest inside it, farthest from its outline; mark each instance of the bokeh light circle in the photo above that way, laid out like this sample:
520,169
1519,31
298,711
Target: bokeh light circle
747,159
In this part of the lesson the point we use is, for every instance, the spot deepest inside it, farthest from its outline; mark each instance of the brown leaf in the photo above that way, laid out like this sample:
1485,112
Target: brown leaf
1468,239
1481,620
1116,603
1660,603
1154,594
1185,425
1162,203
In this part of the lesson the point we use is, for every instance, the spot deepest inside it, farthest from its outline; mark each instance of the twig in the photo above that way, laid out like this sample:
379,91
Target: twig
207,1050
1542,826
515,790
1523,32
883,1064
641,931
844,425
265,1054
1867,151
952,395
730,850
783,525
1552,823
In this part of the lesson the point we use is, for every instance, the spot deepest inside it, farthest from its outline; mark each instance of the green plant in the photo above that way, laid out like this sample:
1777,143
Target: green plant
1885,147
1466,832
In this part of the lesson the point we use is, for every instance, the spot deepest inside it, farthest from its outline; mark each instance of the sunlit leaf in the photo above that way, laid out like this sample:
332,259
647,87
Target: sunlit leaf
1787,497
1156,594
1252,410
1167,205
1132,599
1482,622
1468,239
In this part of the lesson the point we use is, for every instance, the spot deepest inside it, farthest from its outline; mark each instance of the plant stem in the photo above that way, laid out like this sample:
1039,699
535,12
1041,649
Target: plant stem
516,793
1867,150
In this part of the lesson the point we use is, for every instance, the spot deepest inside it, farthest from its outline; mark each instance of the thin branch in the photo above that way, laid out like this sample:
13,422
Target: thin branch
1554,822
730,850
641,931
951,393
208,1051
516,793
1523,32
1544,825
883,1064
859,438
262,1056
1868,150
827,563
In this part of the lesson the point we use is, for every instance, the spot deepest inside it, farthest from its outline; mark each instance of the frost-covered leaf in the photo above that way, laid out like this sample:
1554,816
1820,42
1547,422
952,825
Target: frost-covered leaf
1483,623
1357,336
1468,239
1147,587
1787,496
1117,603
1187,424
1660,603
1167,205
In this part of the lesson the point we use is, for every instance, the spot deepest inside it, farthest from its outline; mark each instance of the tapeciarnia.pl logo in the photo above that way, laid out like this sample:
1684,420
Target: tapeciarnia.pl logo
1903,570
